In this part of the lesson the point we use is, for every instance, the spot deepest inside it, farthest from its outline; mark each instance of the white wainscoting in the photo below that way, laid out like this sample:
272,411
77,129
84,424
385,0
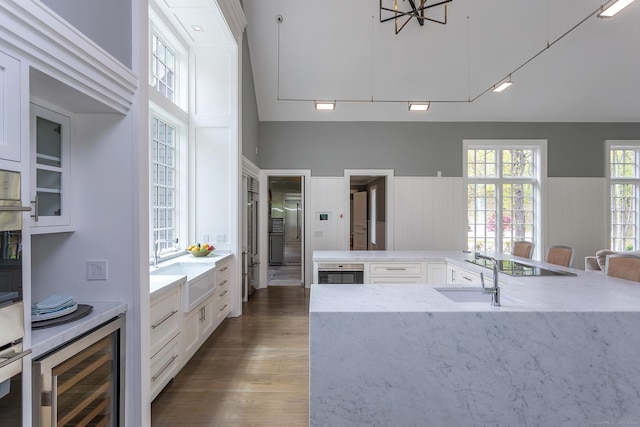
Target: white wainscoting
577,215
429,213
327,197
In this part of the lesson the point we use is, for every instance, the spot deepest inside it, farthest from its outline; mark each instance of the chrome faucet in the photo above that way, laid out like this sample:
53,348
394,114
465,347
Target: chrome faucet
495,290
156,250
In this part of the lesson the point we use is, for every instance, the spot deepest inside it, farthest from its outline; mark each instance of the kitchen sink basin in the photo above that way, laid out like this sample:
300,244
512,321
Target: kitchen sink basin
466,295
189,269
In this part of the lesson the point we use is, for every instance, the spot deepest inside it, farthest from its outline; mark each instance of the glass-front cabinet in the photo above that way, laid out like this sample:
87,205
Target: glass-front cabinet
50,144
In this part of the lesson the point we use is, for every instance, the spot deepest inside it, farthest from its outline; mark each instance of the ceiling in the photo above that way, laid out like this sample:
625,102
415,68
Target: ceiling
339,50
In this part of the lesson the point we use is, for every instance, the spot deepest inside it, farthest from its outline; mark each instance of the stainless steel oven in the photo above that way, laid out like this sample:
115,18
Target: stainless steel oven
344,274
12,317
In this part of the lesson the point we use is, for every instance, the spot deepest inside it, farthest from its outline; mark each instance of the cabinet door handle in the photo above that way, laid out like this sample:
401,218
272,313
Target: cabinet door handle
224,293
395,268
164,368
12,357
224,268
468,279
54,401
225,306
15,209
224,282
35,209
164,319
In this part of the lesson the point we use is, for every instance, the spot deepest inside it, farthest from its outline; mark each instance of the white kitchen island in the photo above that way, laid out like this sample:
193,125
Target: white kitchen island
559,351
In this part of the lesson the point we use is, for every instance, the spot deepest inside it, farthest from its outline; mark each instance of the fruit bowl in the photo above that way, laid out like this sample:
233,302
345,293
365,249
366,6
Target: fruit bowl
199,253
199,250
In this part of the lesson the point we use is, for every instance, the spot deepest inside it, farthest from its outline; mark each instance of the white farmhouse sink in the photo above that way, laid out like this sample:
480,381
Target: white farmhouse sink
200,281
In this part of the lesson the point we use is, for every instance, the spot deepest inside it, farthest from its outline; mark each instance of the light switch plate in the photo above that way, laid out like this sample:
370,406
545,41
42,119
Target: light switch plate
97,270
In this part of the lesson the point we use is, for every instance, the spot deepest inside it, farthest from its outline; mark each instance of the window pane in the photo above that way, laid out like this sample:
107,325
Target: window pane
481,163
481,208
517,163
164,184
623,217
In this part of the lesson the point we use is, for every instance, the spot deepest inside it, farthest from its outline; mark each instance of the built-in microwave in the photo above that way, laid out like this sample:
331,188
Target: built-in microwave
12,317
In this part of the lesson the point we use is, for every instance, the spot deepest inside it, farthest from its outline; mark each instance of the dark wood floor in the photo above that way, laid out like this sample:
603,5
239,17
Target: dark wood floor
252,372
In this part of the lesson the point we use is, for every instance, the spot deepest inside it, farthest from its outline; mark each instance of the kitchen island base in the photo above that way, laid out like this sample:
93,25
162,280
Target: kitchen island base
393,364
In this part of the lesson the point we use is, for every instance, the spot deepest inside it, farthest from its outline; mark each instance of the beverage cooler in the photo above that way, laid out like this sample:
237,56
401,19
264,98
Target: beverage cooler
81,384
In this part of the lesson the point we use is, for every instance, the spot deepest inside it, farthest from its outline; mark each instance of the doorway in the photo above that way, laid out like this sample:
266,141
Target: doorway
369,212
286,231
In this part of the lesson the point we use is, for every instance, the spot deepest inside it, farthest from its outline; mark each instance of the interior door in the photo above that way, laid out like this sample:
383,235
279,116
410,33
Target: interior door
359,218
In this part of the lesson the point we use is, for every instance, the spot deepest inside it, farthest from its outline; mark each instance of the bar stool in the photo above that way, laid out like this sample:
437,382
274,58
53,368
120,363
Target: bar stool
560,255
523,248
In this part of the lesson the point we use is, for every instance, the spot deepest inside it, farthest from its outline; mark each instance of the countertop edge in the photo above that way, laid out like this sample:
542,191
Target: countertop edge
47,339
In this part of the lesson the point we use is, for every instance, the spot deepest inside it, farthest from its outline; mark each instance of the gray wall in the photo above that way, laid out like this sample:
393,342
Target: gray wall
249,107
423,149
108,23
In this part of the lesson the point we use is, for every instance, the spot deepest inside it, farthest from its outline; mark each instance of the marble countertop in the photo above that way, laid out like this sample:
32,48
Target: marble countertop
47,339
587,291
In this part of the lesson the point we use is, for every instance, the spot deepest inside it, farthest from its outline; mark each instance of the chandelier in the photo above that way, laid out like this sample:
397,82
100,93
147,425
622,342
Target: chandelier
400,17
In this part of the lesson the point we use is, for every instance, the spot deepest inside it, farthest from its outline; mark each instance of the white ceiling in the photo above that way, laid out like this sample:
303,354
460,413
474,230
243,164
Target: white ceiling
338,49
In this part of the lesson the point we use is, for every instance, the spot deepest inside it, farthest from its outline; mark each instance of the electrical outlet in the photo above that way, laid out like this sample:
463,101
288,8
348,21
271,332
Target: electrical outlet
221,238
97,270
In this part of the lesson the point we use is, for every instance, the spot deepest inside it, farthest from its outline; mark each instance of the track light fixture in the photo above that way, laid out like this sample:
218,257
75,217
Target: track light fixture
614,7
325,105
418,106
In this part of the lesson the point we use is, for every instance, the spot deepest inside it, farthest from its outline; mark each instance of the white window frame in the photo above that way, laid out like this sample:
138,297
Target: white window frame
635,181
181,186
180,51
540,173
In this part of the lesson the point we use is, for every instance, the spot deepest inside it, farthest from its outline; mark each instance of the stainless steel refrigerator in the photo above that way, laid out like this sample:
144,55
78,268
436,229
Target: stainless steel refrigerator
293,231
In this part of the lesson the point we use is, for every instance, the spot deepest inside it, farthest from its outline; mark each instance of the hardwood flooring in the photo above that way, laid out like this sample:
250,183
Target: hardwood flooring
253,371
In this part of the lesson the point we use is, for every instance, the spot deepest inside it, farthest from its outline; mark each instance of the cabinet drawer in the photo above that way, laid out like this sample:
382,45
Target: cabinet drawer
467,277
223,271
164,366
222,308
396,268
165,319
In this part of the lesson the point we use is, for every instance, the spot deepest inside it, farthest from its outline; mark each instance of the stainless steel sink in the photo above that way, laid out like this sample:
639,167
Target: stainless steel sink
465,294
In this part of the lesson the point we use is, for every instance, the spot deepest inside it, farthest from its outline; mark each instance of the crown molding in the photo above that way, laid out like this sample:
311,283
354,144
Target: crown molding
56,48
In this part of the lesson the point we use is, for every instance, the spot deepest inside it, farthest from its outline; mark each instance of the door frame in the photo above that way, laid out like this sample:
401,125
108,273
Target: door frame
389,192
263,226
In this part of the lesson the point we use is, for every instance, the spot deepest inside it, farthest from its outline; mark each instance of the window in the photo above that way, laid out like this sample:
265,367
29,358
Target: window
503,193
163,68
624,175
163,196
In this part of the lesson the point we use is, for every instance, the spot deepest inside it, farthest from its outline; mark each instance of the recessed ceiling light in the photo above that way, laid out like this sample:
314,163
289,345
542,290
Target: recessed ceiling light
197,28
614,7
418,106
325,105
502,86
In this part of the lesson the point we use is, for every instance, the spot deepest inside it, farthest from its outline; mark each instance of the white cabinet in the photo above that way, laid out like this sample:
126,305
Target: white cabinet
436,273
166,322
50,169
461,276
396,272
10,102
200,322
223,292
196,328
